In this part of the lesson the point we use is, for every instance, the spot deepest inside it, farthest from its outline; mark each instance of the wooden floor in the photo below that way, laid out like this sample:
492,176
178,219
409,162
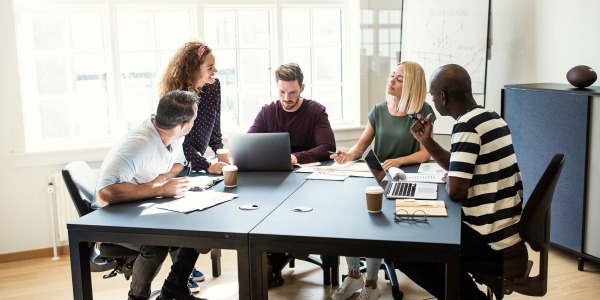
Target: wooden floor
51,279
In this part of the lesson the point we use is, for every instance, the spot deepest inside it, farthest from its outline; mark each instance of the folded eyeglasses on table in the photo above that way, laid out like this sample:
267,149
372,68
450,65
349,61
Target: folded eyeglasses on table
418,216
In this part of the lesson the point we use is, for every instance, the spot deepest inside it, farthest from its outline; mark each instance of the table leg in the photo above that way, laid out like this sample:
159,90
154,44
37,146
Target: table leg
453,278
244,281
81,277
258,274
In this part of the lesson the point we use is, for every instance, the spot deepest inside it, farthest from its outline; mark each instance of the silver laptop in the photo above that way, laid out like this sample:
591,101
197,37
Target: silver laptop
261,151
398,189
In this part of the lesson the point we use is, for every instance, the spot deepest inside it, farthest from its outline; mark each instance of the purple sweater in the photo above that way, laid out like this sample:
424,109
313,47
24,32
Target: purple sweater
310,132
207,127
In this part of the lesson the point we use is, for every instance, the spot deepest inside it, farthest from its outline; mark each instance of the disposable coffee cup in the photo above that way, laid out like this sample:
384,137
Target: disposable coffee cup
374,196
230,175
223,155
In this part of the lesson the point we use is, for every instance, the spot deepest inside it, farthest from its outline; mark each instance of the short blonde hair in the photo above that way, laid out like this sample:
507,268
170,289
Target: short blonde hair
414,88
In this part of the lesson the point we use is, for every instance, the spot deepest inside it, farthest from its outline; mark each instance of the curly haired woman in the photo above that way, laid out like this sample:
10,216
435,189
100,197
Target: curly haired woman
193,69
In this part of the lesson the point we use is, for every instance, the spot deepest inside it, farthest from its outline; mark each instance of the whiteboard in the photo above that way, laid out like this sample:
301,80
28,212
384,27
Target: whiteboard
440,32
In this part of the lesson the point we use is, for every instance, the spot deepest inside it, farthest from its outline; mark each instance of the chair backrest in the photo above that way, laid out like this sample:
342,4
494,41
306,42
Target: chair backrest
535,218
81,183
535,228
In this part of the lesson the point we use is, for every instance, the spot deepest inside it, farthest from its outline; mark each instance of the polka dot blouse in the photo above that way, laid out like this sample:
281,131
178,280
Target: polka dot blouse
207,127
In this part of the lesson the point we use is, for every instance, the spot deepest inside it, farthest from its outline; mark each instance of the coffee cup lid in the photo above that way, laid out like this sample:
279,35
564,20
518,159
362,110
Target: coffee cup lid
229,168
375,189
222,151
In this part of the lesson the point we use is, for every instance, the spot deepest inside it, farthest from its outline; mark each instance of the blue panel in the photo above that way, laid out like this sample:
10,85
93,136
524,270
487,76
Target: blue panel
544,123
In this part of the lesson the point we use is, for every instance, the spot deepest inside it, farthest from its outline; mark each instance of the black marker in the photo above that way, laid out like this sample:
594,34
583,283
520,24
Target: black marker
414,117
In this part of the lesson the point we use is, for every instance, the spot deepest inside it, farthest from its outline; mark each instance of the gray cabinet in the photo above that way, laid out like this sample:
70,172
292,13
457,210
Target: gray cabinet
546,119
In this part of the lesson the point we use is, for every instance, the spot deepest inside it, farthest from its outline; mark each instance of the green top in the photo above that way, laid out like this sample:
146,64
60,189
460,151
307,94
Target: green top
392,134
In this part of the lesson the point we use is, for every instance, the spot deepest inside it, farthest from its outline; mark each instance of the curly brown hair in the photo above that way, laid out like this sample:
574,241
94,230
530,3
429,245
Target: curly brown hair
184,68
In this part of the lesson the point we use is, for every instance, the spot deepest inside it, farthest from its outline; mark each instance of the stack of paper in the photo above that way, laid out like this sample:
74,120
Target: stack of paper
434,208
197,201
428,172
337,171
424,177
431,168
328,176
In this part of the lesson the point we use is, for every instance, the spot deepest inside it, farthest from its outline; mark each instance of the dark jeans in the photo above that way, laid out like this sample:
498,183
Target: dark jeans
148,264
181,269
431,276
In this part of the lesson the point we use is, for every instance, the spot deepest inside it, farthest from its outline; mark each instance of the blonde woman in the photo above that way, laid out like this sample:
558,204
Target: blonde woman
389,124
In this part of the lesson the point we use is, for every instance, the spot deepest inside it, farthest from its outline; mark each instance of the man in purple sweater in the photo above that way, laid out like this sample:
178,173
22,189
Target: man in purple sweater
305,120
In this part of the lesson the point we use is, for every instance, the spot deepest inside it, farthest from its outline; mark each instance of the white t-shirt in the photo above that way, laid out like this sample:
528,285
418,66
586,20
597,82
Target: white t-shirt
139,157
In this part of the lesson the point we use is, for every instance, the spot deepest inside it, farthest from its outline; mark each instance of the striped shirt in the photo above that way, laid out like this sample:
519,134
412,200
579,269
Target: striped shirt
482,151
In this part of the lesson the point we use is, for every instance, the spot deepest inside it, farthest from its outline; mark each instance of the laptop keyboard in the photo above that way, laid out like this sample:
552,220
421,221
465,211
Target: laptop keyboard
404,189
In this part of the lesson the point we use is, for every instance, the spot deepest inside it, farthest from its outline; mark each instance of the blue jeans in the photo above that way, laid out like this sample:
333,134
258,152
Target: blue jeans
373,266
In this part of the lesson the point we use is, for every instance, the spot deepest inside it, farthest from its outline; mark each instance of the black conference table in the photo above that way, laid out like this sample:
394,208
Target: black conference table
339,224
224,226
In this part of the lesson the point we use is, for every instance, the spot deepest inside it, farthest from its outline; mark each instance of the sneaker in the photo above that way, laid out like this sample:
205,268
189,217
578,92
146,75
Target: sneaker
166,294
184,297
154,295
197,275
194,287
369,293
348,288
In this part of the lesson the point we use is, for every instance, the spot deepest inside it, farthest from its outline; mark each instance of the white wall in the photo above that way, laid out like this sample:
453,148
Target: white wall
533,41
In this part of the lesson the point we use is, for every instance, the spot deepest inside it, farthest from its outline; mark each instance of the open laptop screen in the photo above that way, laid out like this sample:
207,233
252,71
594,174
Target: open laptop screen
261,151
375,166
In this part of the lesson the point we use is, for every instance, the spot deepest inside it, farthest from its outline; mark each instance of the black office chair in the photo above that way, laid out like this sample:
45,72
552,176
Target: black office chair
278,261
390,275
534,230
81,180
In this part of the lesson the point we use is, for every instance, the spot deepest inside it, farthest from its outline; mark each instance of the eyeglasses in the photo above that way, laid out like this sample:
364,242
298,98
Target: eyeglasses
418,216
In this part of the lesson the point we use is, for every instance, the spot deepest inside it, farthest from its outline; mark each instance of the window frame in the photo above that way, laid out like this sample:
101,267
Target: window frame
350,84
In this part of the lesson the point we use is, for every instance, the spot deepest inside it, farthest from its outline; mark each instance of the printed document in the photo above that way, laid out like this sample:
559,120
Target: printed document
197,201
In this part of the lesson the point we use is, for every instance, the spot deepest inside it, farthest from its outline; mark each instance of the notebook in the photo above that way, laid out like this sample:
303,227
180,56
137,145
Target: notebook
261,151
399,189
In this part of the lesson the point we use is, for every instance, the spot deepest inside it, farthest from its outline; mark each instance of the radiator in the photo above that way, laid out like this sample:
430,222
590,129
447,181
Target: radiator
62,209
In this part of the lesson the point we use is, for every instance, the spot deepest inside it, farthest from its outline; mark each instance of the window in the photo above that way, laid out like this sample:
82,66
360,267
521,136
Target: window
381,33
244,37
242,41
89,71
313,37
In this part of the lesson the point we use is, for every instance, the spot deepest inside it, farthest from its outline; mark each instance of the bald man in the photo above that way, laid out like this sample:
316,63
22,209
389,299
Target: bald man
483,175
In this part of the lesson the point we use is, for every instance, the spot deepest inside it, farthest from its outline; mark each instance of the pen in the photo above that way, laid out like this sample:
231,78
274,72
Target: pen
331,152
414,117
189,170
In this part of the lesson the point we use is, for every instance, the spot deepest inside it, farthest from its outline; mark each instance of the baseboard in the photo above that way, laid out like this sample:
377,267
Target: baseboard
35,253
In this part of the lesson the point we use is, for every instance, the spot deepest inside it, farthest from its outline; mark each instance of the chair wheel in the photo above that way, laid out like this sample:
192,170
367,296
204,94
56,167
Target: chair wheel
279,281
399,295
